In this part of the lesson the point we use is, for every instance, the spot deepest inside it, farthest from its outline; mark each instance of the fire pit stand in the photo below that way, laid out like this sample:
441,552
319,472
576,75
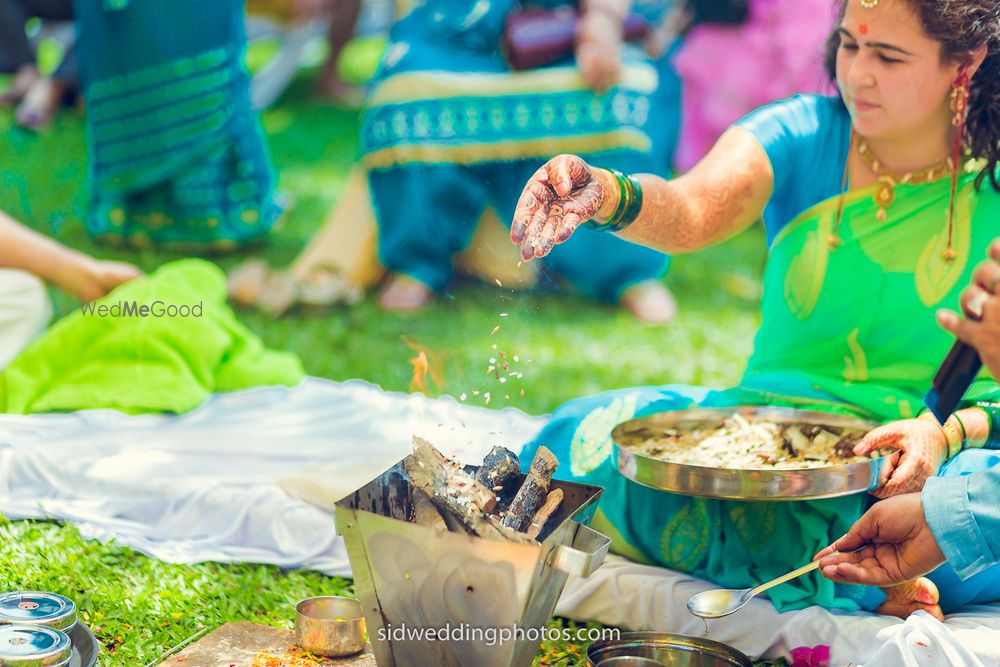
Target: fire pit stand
489,599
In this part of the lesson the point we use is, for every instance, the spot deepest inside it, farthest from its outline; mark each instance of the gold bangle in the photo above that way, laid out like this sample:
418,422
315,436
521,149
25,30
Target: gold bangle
952,434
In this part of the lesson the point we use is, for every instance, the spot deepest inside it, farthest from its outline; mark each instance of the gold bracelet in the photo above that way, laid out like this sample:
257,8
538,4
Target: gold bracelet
952,433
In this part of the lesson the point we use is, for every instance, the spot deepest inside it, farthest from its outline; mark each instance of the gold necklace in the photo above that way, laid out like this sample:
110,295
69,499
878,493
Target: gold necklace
885,193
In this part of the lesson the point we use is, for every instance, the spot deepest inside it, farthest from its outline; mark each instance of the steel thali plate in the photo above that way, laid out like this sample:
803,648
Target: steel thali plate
737,483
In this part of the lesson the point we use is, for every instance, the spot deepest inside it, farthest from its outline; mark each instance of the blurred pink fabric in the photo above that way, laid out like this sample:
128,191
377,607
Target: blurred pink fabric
728,71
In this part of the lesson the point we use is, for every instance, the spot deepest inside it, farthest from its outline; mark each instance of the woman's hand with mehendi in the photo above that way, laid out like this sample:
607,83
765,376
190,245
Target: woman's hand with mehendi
559,197
599,37
921,447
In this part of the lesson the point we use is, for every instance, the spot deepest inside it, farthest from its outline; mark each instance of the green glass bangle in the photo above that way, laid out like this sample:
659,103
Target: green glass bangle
965,435
629,204
992,411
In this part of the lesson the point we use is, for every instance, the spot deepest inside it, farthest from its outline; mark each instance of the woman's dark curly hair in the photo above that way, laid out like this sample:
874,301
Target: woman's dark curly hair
961,27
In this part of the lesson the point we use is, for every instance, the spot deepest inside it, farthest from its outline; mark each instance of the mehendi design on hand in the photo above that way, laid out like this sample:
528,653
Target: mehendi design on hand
543,217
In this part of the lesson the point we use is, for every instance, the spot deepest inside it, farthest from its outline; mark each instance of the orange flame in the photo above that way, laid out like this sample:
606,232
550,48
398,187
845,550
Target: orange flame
427,362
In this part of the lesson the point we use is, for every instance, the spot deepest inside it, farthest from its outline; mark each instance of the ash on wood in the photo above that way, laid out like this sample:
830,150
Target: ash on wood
444,480
445,496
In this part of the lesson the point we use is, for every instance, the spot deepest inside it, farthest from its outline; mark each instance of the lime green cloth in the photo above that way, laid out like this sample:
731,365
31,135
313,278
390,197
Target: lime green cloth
163,362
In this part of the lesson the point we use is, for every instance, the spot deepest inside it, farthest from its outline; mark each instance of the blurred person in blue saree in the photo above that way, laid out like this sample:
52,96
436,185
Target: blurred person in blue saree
177,157
450,132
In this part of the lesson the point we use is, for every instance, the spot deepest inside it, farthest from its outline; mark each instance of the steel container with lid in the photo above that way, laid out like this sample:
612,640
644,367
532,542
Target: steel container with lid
34,646
37,608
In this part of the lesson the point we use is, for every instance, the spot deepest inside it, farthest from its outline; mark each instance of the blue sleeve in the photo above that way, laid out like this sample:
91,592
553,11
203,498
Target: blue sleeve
963,512
806,139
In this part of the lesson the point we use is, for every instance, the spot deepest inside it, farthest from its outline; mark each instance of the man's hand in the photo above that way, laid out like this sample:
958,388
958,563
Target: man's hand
900,547
981,303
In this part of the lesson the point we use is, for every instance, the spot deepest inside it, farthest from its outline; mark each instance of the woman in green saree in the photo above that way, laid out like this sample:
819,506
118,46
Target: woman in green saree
868,235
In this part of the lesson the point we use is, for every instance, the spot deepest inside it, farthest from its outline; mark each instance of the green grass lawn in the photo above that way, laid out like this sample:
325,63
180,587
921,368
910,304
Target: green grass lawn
140,607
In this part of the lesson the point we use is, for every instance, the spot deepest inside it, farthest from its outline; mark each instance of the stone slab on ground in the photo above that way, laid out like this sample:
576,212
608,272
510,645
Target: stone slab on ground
239,644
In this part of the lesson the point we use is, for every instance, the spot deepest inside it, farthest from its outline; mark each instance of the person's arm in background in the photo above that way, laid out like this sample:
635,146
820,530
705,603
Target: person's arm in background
599,37
955,518
74,272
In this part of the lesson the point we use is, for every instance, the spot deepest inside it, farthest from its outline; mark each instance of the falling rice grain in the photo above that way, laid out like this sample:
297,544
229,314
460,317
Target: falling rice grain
495,329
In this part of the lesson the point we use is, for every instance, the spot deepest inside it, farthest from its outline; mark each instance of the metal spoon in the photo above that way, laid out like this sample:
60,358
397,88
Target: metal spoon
724,601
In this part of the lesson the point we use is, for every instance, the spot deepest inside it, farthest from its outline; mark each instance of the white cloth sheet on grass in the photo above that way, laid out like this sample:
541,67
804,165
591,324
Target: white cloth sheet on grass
230,482
205,485
642,597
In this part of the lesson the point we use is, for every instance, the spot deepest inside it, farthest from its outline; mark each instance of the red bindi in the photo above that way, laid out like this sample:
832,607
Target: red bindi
863,29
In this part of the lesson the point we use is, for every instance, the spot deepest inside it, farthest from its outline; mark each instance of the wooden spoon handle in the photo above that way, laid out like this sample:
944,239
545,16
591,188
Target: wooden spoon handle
805,569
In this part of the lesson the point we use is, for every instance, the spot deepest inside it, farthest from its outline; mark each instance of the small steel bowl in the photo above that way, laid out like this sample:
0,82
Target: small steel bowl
37,608
34,646
330,626
665,649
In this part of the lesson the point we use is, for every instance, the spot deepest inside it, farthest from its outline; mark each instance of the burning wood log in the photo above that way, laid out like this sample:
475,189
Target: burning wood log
459,497
445,495
500,471
443,480
533,491
552,502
